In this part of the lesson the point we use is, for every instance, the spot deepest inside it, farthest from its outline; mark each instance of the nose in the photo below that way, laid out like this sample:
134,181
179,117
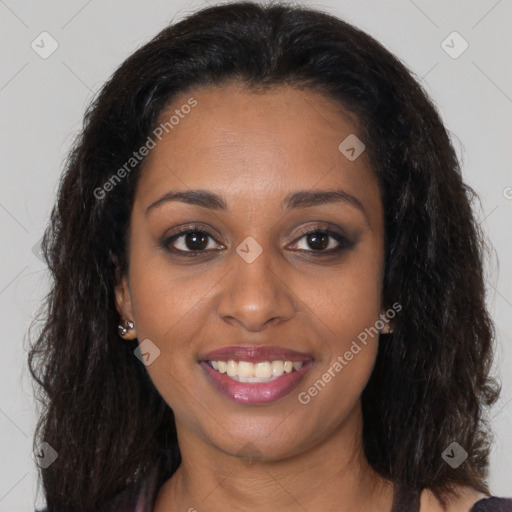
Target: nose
256,294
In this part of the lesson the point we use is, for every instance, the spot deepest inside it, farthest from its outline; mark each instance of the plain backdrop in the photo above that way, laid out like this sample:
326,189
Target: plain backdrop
42,101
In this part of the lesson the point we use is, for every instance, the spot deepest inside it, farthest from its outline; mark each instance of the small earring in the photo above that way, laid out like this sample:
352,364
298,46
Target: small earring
386,329
123,329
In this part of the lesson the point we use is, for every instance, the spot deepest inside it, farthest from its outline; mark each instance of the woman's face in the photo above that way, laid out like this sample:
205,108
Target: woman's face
254,284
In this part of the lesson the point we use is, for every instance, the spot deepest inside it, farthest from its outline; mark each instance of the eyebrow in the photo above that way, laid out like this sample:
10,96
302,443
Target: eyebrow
294,200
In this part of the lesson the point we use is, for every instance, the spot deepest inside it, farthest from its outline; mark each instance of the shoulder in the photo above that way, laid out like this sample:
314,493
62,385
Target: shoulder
467,499
493,504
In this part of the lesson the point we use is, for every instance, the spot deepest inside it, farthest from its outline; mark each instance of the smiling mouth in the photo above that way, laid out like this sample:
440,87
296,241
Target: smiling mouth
260,372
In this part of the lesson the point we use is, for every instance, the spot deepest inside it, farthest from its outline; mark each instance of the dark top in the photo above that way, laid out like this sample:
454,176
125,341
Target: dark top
409,501
142,497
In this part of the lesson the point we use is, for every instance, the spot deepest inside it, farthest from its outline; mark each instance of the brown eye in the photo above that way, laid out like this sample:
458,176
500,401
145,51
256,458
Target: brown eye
191,240
323,242
318,240
195,241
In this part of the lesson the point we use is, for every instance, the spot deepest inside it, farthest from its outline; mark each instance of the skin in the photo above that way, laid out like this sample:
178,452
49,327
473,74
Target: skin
254,149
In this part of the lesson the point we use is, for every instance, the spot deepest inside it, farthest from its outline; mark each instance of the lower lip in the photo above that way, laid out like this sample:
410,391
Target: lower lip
255,393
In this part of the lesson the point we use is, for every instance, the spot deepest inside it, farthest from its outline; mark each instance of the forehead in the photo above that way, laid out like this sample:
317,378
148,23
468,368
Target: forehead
254,146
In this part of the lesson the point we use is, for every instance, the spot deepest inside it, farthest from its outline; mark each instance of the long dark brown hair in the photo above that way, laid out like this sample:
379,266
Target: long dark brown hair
431,383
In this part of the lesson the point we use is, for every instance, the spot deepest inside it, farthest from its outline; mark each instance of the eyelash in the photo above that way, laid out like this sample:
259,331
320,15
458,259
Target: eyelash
343,242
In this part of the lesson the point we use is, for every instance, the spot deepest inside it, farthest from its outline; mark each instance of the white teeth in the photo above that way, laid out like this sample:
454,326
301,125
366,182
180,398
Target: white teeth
277,368
245,369
264,371
232,369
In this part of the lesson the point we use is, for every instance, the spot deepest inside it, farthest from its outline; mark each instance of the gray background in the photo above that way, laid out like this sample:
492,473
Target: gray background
42,102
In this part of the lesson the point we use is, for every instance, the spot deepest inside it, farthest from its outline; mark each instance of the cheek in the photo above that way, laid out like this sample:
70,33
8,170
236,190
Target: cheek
165,296
159,301
345,305
171,308
345,298
170,311
167,311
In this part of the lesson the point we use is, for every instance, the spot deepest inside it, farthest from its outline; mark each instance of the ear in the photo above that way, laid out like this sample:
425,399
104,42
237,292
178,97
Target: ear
124,306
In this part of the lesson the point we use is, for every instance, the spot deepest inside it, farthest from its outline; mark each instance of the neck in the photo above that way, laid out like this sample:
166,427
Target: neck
331,475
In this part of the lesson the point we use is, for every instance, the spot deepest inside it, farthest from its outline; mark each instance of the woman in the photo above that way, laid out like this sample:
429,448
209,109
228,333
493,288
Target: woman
268,283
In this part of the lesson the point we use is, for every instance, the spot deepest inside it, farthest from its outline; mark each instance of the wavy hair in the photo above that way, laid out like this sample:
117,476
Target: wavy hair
431,383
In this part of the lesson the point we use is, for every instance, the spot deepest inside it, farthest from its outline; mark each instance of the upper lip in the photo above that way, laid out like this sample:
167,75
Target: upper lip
255,354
